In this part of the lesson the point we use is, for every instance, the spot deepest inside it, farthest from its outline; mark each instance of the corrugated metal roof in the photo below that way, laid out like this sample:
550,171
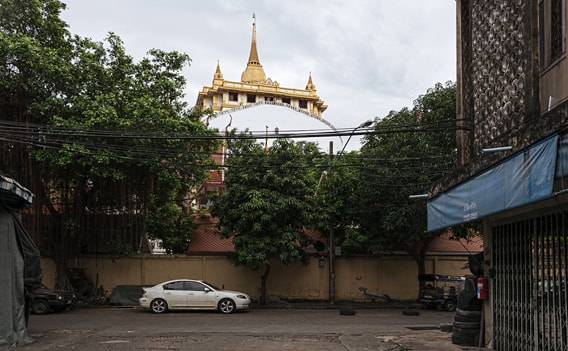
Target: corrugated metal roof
13,194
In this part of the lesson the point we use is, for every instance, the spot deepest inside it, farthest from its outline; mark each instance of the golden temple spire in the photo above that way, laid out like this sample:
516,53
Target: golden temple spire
218,74
254,71
310,85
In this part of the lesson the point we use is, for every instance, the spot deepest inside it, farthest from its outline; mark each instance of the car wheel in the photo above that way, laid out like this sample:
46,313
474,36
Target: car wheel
450,306
227,306
40,307
159,306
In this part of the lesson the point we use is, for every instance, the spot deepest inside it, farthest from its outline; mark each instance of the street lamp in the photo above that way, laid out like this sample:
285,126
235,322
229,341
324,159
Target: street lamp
365,124
331,246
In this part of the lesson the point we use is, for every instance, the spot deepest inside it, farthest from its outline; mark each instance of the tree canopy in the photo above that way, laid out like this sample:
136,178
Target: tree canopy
267,202
407,152
90,131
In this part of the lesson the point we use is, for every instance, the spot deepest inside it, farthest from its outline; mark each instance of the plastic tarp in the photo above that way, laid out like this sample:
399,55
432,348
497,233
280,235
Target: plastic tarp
562,160
521,179
20,266
20,270
126,295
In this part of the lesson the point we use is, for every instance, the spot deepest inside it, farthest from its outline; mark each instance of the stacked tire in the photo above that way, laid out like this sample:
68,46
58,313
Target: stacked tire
467,322
466,328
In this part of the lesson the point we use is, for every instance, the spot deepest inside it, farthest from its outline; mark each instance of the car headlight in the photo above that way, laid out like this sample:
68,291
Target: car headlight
59,297
244,297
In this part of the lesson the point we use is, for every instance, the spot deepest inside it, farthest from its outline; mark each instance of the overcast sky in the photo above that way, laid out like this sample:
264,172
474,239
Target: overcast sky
367,57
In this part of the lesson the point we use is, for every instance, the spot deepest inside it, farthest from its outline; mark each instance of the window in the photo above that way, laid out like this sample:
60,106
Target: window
174,286
303,103
233,96
551,31
251,98
556,37
286,100
195,286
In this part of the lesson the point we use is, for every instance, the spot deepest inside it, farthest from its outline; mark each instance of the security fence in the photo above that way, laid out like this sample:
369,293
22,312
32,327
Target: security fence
530,300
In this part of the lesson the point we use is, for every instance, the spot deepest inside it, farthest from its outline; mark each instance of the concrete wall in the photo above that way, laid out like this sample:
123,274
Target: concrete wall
392,275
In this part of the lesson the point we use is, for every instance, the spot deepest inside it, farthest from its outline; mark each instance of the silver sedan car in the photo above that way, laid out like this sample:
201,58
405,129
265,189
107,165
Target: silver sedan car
188,294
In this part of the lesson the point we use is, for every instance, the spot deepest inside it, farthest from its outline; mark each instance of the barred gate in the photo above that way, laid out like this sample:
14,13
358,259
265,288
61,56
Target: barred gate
530,299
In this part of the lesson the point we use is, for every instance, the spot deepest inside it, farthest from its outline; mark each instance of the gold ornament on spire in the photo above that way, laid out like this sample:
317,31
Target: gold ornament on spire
254,72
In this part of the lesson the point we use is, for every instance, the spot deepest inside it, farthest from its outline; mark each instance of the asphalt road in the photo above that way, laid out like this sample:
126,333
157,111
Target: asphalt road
258,329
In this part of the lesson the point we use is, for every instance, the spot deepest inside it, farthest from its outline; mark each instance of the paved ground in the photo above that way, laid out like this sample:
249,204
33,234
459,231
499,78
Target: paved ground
295,329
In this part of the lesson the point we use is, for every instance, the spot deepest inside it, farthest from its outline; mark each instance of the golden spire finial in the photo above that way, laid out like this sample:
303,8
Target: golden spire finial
218,73
310,85
254,71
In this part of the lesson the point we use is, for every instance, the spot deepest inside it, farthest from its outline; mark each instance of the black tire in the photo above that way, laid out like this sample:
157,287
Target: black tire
465,340
465,332
467,325
467,319
468,313
450,305
227,306
159,306
40,306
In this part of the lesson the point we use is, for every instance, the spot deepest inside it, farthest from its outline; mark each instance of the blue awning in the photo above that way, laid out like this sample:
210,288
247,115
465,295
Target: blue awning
521,179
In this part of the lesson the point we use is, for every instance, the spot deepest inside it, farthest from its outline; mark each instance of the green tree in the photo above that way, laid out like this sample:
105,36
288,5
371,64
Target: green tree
407,152
267,202
91,131
337,201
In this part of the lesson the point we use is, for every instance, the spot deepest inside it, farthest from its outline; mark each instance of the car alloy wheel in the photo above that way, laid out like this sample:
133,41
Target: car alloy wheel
159,306
227,306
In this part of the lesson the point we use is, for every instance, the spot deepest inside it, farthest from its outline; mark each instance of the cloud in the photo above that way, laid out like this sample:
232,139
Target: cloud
367,57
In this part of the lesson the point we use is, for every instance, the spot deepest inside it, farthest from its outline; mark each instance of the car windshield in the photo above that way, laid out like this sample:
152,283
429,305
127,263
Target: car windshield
211,285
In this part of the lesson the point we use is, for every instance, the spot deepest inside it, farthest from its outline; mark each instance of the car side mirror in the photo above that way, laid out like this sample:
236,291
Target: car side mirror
207,290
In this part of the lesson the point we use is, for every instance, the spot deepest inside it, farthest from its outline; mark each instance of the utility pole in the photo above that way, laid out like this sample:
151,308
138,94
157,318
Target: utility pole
331,244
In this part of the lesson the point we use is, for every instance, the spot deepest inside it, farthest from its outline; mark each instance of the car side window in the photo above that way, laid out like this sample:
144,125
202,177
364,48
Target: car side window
195,286
174,286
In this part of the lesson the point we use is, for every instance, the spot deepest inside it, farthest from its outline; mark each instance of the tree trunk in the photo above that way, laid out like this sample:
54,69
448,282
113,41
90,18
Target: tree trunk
419,255
262,299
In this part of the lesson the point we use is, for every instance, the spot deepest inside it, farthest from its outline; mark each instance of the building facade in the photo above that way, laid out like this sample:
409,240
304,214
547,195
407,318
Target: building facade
512,114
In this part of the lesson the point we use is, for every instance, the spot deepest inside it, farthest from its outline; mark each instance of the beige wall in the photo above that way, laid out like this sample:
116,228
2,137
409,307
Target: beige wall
392,275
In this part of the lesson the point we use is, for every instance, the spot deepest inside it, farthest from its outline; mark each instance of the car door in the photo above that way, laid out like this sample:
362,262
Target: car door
175,294
200,295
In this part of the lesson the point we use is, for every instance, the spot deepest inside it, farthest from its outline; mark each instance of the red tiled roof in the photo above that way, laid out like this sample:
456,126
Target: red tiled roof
207,241
445,243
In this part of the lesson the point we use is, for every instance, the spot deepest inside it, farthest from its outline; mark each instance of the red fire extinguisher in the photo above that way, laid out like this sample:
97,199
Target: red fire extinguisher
481,288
